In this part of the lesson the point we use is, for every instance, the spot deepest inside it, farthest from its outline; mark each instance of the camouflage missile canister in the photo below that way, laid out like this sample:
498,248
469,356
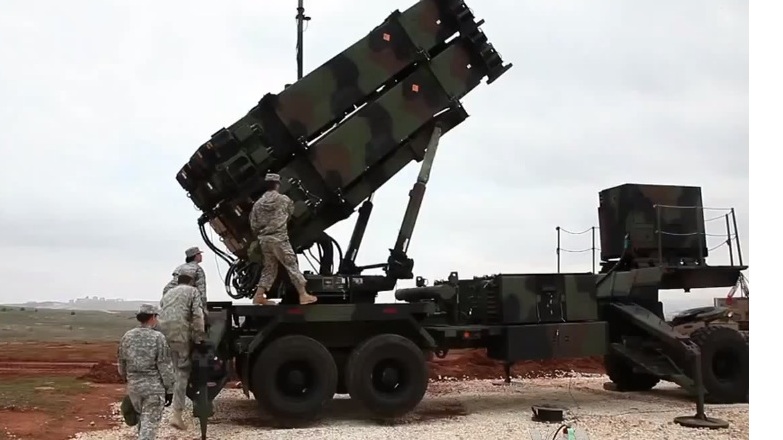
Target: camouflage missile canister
345,82
414,149
641,211
224,163
378,128
394,84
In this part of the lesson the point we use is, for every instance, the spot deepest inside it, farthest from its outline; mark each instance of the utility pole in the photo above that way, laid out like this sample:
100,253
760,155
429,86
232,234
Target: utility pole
300,19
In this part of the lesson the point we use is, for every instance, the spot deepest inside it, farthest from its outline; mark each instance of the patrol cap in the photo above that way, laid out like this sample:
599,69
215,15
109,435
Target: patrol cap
148,309
187,270
272,177
192,252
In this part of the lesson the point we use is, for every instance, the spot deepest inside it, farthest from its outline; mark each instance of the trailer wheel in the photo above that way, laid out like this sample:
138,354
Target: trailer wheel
620,372
724,363
387,374
293,377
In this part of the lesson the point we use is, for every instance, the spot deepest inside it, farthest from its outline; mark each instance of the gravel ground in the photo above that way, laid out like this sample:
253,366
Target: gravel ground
477,409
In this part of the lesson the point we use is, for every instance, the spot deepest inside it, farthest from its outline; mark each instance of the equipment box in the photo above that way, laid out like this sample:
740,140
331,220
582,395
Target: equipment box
552,341
540,298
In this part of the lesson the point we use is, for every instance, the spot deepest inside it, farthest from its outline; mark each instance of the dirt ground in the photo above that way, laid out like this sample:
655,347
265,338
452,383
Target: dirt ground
92,366
474,364
50,391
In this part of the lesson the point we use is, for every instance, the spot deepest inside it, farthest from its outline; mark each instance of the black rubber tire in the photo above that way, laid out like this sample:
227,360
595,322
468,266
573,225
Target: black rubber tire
620,372
311,354
727,346
411,363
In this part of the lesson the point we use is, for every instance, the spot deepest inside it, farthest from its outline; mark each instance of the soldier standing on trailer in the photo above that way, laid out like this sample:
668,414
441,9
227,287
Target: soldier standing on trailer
182,322
193,257
269,221
144,361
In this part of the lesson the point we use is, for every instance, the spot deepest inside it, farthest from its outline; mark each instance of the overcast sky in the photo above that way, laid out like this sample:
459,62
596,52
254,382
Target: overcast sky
103,102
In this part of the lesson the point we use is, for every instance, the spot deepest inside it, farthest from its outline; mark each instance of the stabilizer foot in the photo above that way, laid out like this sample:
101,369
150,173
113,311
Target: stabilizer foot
507,376
701,421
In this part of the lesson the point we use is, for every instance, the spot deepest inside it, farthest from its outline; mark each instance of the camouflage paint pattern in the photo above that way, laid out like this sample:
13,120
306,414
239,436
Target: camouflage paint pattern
413,150
307,227
630,209
343,83
377,129
622,284
221,164
552,341
541,298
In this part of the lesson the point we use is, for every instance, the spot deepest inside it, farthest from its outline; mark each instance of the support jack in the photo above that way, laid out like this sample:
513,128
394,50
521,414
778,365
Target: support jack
700,419
507,376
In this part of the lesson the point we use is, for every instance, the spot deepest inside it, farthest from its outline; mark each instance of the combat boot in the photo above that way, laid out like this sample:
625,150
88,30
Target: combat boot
176,419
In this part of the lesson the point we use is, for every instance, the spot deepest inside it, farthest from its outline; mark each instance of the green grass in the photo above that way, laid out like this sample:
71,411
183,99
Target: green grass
44,393
47,325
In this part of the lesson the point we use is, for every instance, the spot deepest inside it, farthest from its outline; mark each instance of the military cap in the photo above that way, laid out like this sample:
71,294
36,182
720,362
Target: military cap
148,309
192,252
129,413
272,177
188,270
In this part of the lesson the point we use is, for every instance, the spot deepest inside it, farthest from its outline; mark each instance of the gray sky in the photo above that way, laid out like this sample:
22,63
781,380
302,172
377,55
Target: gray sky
104,101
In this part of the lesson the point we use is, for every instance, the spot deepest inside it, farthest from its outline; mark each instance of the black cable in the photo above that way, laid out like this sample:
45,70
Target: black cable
337,245
224,256
243,276
326,254
310,262
316,259
557,431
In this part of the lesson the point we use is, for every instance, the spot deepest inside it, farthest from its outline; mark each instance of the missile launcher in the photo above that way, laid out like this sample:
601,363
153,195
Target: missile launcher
335,137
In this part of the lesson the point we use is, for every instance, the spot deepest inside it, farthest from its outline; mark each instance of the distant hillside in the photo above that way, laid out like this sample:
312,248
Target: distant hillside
672,303
44,324
87,303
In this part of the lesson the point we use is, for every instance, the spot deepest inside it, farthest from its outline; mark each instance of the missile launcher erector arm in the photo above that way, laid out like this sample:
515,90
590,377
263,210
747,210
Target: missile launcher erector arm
339,134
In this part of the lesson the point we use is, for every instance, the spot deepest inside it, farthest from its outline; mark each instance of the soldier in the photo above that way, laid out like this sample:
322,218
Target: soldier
144,361
182,322
193,257
269,221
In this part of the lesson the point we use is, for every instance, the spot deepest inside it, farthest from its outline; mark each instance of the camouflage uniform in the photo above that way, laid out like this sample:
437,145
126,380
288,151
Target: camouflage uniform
144,361
181,320
200,277
269,221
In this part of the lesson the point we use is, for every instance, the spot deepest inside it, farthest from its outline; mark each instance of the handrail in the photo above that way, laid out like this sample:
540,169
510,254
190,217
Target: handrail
731,233
730,237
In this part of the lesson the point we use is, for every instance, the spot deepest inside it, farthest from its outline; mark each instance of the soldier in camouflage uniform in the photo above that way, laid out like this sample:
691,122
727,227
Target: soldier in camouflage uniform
269,221
193,257
144,361
182,321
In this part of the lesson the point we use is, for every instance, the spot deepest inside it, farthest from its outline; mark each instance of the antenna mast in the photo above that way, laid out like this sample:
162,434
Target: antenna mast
300,19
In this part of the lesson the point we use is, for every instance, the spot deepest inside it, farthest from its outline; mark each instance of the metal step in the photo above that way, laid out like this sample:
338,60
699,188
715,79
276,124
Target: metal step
656,364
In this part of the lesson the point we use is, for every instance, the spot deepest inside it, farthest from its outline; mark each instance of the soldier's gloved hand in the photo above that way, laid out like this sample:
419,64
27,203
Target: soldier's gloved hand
169,397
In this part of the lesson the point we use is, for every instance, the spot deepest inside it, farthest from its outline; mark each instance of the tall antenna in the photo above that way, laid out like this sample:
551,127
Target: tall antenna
300,19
